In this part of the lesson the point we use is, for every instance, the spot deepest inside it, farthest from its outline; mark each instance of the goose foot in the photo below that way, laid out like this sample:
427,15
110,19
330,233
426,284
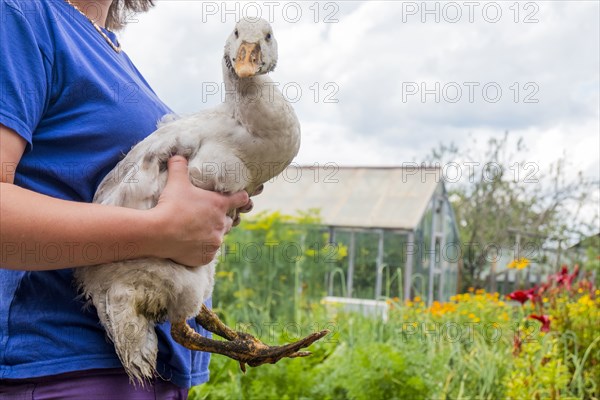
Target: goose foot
239,346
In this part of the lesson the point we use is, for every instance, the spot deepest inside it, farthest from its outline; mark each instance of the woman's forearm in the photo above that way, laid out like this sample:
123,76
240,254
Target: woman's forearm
38,232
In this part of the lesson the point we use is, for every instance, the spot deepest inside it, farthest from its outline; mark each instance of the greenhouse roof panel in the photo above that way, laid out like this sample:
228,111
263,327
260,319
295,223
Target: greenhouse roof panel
362,197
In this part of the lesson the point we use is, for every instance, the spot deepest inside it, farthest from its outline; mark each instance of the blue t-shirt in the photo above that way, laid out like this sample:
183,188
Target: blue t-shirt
80,106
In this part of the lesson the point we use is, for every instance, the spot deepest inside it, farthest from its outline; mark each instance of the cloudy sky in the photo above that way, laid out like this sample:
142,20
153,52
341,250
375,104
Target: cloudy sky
383,82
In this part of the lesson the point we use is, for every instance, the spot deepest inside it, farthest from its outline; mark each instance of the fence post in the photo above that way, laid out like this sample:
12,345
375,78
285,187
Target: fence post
410,243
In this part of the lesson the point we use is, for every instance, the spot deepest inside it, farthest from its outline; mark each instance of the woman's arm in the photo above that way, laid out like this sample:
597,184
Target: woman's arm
38,232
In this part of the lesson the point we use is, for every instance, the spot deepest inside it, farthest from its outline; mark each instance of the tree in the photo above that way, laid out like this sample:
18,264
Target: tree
501,193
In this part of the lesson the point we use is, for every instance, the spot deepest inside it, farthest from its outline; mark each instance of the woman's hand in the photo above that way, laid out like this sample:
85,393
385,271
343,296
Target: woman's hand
191,222
247,207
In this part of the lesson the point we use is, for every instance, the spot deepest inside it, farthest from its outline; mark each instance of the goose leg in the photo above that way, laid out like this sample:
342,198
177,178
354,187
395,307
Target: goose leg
210,321
239,346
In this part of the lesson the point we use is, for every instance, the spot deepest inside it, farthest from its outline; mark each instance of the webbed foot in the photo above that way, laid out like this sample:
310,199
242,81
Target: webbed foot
239,346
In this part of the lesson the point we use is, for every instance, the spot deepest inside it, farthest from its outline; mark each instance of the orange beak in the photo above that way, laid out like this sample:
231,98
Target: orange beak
248,60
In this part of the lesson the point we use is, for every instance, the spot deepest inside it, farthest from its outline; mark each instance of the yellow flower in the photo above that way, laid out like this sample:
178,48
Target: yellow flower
472,316
545,300
471,289
585,300
417,299
225,274
521,263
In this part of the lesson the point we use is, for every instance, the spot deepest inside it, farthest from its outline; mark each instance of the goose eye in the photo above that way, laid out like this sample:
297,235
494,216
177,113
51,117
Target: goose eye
237,34
268,37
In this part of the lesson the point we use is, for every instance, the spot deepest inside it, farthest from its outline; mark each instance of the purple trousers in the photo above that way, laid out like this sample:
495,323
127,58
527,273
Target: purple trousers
99,384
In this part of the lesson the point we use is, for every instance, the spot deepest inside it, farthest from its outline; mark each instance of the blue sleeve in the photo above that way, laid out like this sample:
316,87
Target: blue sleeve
25,69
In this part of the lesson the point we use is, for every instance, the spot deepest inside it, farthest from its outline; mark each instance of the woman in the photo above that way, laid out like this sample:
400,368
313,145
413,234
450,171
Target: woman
72,104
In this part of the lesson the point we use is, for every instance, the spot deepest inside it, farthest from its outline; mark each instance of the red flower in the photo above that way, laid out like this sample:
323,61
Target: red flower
563,278
522,295
544,319
574,275
535,294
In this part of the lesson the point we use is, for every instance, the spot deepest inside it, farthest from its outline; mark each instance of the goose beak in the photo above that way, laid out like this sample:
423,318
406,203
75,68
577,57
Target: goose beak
248,60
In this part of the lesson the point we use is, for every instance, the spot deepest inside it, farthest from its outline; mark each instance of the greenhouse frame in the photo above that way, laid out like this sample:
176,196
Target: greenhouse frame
396,223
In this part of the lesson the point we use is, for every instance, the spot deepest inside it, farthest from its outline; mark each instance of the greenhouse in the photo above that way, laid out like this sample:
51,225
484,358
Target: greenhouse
395,224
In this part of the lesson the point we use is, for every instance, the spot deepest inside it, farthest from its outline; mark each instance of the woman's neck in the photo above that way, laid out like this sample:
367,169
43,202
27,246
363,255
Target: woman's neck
96,10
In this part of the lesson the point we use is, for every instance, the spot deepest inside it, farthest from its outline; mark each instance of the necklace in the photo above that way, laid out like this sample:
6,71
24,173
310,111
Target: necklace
104,35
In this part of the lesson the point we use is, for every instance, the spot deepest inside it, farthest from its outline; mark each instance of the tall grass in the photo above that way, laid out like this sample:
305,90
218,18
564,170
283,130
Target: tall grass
478,346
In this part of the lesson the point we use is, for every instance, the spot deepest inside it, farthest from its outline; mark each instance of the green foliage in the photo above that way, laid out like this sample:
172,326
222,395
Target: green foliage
565,361
538,372
477,346
468,339
372,371
337,369
574,310
272,266
295,380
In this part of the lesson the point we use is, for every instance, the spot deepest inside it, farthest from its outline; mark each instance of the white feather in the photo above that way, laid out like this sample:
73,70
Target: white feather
238,145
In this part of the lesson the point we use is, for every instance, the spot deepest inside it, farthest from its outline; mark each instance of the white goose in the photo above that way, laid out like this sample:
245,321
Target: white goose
255,134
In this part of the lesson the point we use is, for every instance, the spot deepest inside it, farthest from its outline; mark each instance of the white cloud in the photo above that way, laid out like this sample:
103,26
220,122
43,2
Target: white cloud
377,50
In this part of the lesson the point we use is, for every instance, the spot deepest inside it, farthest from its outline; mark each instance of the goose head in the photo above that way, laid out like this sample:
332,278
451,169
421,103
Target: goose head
251,49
